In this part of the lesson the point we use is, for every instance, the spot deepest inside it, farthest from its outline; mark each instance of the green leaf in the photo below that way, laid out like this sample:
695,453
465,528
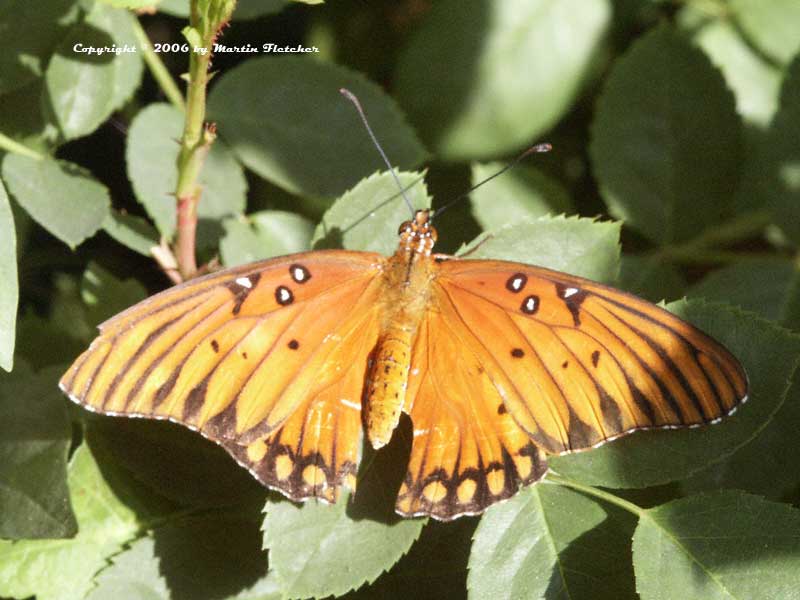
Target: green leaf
266,588
188,558
133,575
773,26
285,120
651,278
128,66
131,231
83,89
520,194
722,546
578,246
9,291
151,156
263,235
30,32
245,9
26,121
434,568
104,295
754,81
767,465
666,139
60,196
757,285
790,312
769,355
35,436
306,546
551,542
480,79
64,569
775,170
367,216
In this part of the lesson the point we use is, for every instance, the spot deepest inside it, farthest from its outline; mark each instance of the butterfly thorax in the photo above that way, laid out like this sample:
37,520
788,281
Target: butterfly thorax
407,275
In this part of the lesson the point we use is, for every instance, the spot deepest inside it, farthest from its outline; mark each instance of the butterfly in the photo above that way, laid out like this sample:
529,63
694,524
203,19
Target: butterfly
286,362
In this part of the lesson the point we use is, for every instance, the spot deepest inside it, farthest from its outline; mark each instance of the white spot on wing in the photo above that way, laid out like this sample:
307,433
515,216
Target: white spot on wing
245,282
570,292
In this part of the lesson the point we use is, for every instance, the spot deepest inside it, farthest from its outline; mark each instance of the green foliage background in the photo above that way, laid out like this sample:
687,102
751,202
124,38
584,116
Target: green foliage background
675,173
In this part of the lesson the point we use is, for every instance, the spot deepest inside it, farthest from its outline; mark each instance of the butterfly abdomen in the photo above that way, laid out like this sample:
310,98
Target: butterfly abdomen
386,384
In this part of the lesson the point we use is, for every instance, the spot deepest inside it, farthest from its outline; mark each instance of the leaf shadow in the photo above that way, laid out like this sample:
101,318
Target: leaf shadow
196,554
597,564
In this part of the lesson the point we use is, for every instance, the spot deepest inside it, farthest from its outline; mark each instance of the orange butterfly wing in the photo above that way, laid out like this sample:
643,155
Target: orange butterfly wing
510,353
580,363
467,451
267,359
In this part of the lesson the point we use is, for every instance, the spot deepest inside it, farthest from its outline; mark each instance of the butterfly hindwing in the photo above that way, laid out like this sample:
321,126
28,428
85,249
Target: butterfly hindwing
253,355
467,451
579,363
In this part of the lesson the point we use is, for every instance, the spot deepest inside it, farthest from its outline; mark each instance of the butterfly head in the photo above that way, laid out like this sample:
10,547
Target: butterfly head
418,234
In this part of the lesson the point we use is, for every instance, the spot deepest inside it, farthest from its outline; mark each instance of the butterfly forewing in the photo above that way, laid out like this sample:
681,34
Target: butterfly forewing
237,354
579,363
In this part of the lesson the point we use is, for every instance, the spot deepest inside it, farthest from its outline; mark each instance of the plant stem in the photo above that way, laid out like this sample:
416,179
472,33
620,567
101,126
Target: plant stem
6,143
597,493
157,68
195,144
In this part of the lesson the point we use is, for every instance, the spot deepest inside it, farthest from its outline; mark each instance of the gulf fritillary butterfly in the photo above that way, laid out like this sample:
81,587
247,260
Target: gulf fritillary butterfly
498,364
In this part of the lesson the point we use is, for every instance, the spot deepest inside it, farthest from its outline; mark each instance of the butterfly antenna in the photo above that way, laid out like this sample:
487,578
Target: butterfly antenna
537,149
352,97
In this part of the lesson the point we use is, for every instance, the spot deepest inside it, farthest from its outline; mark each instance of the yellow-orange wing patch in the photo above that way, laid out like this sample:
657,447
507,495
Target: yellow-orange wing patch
266,352
578,363
467,452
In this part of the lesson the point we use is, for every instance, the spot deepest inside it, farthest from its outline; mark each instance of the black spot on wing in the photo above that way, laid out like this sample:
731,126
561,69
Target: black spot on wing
241,292
194,401
517,352
516,283
299,273
223,424
530,305
612,418
580,434
283,295
573,298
